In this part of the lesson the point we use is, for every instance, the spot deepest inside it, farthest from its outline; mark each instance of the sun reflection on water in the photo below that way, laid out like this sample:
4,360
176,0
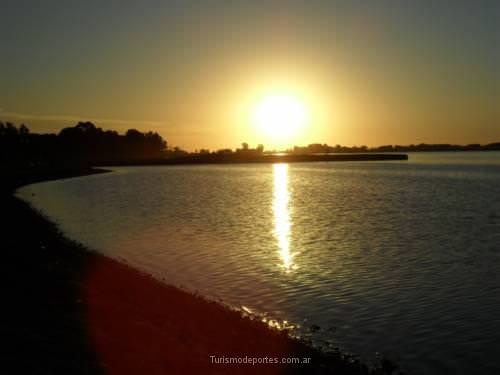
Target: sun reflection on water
282,222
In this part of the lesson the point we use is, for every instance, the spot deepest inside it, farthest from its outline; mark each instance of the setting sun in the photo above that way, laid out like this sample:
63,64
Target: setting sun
280,117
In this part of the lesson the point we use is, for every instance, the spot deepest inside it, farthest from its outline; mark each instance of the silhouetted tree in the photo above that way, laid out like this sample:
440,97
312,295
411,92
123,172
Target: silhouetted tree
83,143
87,144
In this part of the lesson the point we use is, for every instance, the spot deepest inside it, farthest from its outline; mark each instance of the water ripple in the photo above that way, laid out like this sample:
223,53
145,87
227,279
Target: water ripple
399,258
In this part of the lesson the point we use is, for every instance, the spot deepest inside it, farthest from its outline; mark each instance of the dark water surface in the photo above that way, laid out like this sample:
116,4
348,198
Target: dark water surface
398,257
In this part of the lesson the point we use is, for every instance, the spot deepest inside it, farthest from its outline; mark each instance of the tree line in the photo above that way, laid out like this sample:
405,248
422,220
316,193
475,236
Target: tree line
318,148
82,144
86,144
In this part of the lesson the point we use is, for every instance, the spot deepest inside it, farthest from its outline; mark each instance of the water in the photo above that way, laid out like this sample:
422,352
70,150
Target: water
396,257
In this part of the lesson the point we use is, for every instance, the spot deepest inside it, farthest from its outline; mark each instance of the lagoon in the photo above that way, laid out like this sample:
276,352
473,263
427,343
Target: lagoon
398,257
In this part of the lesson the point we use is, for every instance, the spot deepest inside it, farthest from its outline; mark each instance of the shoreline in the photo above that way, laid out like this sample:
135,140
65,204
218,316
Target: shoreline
72,310
255,158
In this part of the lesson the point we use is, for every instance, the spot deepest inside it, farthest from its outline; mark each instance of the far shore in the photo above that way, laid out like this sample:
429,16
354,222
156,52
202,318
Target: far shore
249,157
69,310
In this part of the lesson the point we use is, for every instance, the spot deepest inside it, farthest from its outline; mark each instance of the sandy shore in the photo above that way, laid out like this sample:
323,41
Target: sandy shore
67,310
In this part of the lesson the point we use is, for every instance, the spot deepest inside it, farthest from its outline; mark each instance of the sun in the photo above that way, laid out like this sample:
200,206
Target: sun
280,117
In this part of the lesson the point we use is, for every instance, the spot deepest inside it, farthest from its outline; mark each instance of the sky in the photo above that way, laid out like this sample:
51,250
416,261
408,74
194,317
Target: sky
368,72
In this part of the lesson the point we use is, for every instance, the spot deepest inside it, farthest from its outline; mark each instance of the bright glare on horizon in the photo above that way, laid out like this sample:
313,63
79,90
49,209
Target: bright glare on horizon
280,118
214,74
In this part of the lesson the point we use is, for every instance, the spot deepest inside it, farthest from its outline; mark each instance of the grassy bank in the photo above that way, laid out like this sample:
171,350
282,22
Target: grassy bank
67,310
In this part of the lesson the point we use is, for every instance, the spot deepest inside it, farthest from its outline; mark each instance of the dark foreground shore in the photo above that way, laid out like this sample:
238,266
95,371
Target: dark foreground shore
66,310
